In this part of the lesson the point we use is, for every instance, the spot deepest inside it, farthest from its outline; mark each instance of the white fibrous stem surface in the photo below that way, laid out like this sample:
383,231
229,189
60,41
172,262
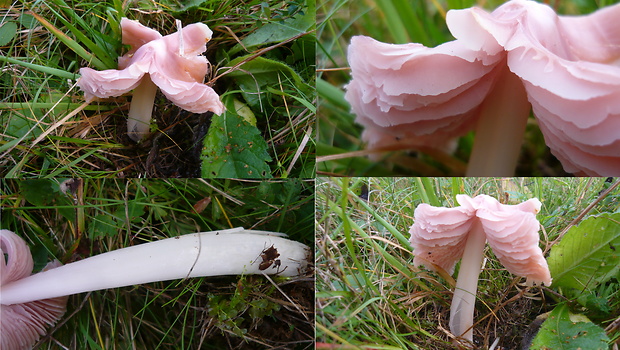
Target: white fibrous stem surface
226,252
500,129
464,298
141,109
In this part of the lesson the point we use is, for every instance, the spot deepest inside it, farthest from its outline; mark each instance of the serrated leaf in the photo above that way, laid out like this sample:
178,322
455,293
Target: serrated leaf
103,226
565,331
234,148
132,211
589,254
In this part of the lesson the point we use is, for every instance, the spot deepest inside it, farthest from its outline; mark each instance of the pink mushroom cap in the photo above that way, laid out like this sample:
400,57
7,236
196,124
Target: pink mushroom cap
21,325
399,95
570,68
179,75
438,235
569,65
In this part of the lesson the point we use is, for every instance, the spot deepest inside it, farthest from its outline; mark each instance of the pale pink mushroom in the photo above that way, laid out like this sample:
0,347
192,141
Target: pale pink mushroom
570,67
442,236
173,63
400,96
522,55
21,325
26,308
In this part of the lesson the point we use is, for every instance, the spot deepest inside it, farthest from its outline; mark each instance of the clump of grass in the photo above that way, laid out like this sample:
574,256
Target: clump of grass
48,131
370,296
340,149
95,216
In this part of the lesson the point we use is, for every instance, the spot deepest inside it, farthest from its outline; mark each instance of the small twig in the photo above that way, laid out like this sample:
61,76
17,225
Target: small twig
60,122
229,197
300,149
287,297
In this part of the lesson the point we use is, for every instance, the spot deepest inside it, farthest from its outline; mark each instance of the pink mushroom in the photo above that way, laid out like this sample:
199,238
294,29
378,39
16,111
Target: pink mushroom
26,308
23,324
172,62
520,56
442,236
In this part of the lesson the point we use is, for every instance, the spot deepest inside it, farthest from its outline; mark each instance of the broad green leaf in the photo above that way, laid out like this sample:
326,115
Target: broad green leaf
565,331
234,148
19,125
256,75
279,31
589,254
8,30
28,21
132,211
39,192
275,32
44,192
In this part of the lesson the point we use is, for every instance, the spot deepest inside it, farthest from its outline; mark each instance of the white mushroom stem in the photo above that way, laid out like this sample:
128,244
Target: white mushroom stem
464,298
141,108
227,252
500,129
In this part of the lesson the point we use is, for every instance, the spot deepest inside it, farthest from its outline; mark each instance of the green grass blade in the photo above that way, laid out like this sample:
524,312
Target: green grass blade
97,50
72,44
47,70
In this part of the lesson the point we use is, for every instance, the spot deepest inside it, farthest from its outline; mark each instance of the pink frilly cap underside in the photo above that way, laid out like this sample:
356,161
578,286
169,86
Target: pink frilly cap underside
439,235
23,324
570,67
414,94
512,233
179,76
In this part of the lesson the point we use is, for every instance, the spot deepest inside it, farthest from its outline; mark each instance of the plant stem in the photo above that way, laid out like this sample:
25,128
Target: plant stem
227,252
141,109
500,129
464,298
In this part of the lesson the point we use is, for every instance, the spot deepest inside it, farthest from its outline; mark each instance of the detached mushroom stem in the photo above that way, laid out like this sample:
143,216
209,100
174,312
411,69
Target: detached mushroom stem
500,128
226,252
141,109
464,298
